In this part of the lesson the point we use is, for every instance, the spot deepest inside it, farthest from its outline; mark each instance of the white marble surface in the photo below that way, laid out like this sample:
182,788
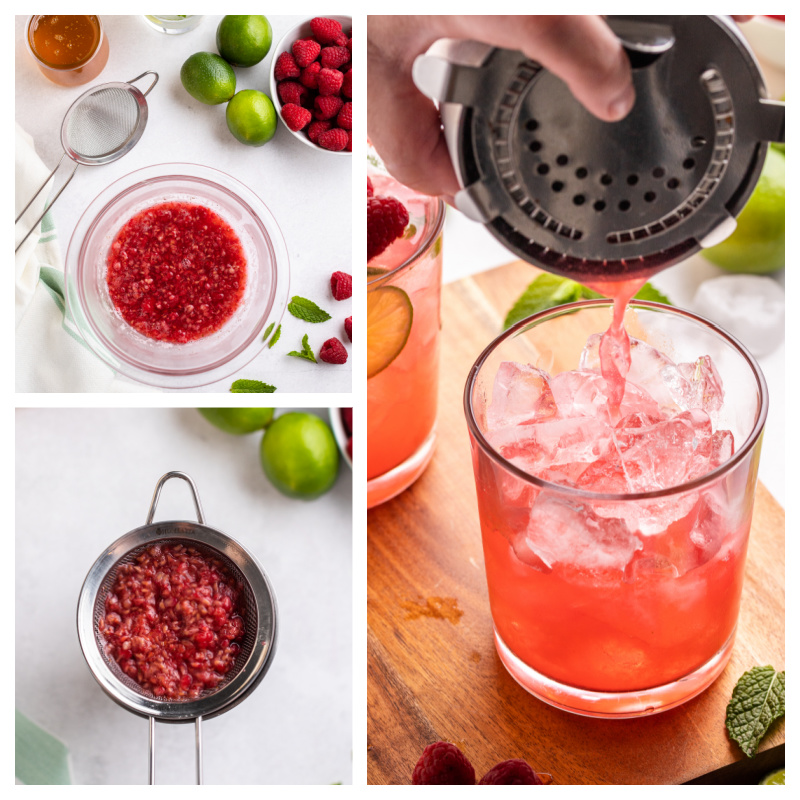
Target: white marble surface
308,192
84,477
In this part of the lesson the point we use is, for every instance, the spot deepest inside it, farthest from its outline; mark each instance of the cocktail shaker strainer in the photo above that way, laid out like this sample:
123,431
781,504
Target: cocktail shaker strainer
258,611
609,201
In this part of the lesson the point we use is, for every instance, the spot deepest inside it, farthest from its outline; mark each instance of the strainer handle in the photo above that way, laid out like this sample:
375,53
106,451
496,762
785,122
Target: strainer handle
198,745
149,88
157,494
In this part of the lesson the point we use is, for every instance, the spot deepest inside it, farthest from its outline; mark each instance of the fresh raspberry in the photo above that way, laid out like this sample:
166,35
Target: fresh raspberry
443,763
318,127
347,419
370,189
329,81
349,147
292,92
348,328
347,84
341,285
516,771
334,139
349,44
305,51
309,77
327,107
386,220
286,67
325,30
296,117
333,352
341,40
345,117
333,57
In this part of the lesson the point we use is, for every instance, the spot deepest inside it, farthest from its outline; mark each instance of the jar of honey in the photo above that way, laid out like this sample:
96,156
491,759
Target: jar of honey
68,49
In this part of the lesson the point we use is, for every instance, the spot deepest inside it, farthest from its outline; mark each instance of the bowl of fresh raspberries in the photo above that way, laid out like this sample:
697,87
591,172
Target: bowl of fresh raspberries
312,83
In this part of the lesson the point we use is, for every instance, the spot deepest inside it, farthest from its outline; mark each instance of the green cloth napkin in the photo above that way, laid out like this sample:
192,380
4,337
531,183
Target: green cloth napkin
40,757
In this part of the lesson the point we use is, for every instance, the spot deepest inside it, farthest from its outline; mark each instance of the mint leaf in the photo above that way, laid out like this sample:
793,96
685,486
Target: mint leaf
758,699
549,291
649,292
275,338
307,353
268,331
243,386
306,310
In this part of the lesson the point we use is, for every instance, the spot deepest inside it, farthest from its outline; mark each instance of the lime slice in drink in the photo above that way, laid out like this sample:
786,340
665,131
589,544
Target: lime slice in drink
777,778
389,317
373,272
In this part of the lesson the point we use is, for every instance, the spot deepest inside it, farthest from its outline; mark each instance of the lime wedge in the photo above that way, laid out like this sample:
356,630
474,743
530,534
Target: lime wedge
375,271
389,317
777,778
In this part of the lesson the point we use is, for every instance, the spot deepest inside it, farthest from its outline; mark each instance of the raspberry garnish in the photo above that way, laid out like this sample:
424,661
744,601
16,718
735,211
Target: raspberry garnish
333,352
335,139
325,30
286,67
443,763
386,220
305,51
296,117
514,771
329,81
348,328
341,285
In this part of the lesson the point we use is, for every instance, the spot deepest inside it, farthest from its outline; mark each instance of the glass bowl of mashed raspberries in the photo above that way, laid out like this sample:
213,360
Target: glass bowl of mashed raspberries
173,274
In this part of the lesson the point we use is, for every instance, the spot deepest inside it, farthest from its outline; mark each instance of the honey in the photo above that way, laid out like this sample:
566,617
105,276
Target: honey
70,49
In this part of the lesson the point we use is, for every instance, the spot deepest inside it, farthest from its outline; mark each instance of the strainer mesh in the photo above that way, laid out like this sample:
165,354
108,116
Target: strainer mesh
102,122
247,609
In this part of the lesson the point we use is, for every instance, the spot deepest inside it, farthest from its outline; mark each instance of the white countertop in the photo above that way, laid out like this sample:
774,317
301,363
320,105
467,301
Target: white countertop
308,192
84,477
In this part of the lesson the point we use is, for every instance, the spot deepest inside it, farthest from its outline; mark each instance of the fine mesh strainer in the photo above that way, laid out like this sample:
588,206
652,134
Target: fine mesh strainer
607,201
102,125
257,607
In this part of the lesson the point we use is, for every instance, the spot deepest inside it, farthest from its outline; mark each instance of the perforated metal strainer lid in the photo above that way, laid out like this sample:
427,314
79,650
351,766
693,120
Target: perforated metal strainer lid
582,197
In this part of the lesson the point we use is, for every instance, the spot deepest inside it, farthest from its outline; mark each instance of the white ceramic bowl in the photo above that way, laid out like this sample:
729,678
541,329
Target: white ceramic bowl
285,45
340,433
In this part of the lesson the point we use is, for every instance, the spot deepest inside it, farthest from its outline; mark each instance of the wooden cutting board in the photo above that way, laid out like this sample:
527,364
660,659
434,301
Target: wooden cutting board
432,668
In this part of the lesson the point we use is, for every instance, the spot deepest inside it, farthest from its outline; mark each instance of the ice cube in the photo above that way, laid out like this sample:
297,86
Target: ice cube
521,395
572,535
696,384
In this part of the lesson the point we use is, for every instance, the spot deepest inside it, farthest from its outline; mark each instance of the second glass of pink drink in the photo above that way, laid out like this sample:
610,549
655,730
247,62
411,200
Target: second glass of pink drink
403,324
615,529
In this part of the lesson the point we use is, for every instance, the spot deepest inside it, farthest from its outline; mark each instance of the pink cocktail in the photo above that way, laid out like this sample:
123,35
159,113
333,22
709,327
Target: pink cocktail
615,512
403,324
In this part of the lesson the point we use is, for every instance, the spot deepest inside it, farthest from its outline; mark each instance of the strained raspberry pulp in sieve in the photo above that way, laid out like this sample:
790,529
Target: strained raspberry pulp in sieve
172,621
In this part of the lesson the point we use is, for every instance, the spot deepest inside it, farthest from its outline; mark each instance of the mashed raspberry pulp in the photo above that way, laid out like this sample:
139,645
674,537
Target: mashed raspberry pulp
176,272
172,621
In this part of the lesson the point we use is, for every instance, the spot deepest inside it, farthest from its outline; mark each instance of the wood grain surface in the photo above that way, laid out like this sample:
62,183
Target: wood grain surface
432,668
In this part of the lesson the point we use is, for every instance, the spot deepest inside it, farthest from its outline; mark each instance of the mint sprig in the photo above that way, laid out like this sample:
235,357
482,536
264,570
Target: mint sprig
306,353
245,386
307,310
758,699
549,291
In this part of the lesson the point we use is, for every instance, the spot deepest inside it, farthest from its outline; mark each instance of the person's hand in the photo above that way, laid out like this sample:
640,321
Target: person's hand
404,125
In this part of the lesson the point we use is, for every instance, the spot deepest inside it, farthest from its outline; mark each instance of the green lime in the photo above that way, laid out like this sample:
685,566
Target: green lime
758,244
208,78
251,117
244,39
299,455
238,420
777,778
389,318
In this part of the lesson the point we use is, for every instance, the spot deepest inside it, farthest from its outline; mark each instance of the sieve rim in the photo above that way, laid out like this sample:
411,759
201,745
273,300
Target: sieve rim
122,149
248,675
